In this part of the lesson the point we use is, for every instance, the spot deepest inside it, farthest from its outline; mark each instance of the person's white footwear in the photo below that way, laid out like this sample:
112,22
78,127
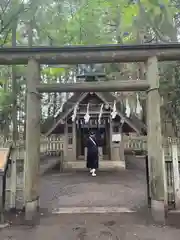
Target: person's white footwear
93,172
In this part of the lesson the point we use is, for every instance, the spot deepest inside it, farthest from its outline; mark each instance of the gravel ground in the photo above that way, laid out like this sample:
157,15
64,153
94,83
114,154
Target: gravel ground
108,189
91,227
119,189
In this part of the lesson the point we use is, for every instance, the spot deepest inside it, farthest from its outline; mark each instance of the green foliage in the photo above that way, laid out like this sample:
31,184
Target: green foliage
65,22
53,72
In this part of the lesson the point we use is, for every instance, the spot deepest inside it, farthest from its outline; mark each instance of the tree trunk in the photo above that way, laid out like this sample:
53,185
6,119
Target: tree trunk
30,44
6,114
14,88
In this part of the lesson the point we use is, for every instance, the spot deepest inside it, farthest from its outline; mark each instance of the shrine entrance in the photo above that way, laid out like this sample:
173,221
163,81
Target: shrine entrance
102,133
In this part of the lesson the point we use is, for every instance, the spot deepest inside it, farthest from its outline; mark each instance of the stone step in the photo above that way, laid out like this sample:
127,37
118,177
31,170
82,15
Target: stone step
103,165
48,164
69,210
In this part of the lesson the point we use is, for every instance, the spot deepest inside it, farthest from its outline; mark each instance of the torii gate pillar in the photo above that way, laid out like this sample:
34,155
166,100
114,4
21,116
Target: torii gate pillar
155,148
32,146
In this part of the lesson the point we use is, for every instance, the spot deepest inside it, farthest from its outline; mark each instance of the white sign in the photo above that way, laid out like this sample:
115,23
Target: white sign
116,137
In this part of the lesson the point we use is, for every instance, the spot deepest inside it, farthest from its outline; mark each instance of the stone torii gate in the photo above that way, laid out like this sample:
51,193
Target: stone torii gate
149,54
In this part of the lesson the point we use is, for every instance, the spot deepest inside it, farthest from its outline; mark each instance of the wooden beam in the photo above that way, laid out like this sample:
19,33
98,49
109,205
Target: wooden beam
107,86
155,151
90,54
32,157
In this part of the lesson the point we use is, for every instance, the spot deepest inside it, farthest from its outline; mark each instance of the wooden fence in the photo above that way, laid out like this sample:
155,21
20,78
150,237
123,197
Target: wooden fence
171,152
52,145
139,143
49,146
133,143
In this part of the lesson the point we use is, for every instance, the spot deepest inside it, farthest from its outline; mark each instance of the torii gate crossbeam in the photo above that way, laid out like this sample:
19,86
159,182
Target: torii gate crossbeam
90,54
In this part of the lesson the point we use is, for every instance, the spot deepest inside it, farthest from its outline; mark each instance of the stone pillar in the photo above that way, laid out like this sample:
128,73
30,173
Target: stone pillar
32,145
65,142
13,180
121,149
110,138
100,150
85,153
155,151
74,141
116,152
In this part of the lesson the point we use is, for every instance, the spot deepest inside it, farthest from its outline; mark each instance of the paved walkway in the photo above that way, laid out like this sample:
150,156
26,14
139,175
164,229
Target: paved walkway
108,189
91,227
124,191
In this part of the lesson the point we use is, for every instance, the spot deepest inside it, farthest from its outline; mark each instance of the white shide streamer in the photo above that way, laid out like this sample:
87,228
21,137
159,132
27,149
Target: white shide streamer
87,116
138,105
74,112
128,110
114,111
100,114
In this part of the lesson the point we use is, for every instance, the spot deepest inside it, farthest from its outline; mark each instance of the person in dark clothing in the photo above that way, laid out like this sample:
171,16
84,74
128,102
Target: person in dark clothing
92,154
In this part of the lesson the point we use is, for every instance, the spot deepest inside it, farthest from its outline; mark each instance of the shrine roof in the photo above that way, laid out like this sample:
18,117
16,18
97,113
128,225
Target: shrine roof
133,121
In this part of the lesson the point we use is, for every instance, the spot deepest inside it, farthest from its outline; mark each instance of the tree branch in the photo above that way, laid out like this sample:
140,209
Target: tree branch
3,9
5,38
43,30
21,9
150,41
